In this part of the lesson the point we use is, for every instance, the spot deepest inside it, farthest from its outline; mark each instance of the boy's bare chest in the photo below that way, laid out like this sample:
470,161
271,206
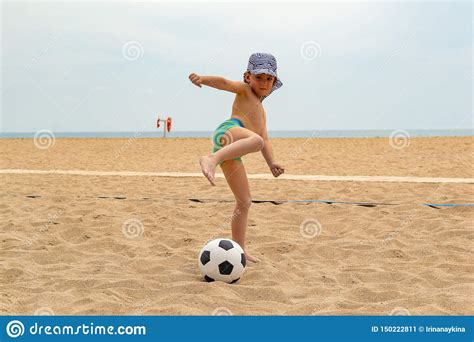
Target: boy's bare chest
250,112
251,108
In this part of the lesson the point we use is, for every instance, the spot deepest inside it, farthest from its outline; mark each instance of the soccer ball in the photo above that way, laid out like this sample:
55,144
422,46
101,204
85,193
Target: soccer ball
222,260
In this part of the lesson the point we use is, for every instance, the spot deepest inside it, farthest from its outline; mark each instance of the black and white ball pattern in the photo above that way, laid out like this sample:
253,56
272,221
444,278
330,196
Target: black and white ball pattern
222,260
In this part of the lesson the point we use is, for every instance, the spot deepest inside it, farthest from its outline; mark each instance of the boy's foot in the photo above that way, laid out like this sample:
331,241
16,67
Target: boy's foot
208,168
251,258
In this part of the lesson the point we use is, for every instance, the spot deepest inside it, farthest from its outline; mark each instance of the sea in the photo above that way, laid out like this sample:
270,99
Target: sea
272,134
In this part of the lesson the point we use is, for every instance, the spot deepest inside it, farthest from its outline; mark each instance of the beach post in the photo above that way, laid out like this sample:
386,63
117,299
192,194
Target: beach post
166,125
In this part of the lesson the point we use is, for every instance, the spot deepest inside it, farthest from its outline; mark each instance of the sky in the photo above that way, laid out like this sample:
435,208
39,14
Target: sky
90,66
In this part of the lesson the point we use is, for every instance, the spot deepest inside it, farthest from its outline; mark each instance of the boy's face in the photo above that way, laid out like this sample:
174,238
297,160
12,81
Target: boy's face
261,84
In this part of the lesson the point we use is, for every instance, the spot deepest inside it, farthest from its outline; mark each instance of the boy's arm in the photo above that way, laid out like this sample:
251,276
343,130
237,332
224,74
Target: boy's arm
218,82
267,152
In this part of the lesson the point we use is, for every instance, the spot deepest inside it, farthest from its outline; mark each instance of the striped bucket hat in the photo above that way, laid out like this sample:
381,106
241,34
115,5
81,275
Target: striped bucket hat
264,63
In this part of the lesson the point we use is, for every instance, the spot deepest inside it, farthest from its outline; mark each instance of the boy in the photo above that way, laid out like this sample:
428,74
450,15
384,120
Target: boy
245,132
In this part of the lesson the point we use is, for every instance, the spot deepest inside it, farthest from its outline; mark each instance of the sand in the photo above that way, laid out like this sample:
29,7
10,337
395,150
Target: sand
63,249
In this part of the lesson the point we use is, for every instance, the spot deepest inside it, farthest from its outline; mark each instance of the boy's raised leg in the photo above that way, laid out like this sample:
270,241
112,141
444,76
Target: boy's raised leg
240,141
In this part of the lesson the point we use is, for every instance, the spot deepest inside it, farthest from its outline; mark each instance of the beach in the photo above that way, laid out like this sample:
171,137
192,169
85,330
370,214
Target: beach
64,249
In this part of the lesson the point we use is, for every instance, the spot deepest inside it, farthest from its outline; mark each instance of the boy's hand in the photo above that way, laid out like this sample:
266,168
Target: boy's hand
276,169
196,79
